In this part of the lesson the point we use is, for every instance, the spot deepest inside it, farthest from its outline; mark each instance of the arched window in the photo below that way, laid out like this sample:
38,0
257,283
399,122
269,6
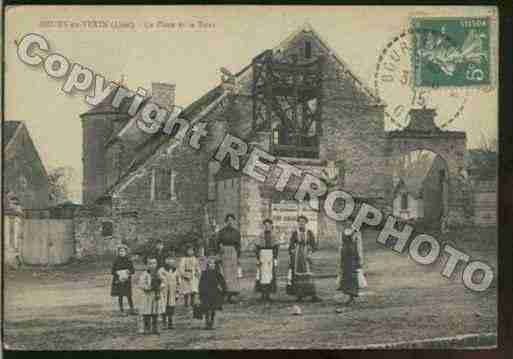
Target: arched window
308,49
404,201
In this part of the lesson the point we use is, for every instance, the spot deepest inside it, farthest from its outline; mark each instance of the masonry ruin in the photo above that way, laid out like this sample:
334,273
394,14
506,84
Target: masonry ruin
299,102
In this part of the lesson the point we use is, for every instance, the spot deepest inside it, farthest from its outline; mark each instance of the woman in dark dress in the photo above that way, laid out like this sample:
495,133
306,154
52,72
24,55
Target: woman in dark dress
212,288
351,262
122,272
300,281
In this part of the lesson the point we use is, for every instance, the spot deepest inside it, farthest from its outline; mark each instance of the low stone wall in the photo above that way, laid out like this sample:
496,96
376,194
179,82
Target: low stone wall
93,236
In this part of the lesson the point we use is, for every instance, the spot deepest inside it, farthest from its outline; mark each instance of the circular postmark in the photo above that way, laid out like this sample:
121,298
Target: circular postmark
394,83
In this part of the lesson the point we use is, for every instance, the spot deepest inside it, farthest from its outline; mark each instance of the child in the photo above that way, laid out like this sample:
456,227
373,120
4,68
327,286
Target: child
151,284
122,272
190,273
171,279
212,288
158,253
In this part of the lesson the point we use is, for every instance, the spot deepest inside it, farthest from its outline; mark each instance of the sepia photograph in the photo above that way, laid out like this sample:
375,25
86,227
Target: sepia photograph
250,177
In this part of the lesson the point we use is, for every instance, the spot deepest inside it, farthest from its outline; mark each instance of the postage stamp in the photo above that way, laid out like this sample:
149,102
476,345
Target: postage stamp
451,52
394,82
228,178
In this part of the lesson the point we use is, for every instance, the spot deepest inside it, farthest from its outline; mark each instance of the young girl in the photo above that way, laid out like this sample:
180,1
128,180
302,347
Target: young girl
189,273
212,288
122,272
171,279
151,285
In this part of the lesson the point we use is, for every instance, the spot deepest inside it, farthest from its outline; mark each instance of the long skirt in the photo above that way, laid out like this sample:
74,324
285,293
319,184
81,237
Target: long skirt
353,280
300,277
121,289
230,269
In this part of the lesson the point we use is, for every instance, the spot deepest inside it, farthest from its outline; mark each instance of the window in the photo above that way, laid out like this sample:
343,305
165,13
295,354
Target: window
10,224
276,136
107,229
172,186
163,184
308,49
211,191
404,201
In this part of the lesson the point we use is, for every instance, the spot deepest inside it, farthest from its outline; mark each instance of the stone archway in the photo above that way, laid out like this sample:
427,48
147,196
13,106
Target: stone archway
423,134
420,188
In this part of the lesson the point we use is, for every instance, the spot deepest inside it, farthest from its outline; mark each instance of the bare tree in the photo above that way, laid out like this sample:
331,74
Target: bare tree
488,143
60,179
414,164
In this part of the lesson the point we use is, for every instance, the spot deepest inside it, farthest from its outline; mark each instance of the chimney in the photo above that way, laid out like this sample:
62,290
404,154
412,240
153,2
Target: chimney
163,94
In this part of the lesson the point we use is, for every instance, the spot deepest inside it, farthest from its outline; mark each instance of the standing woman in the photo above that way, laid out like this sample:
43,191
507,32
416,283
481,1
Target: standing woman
122,272
228,241
352,279
266,250
300,280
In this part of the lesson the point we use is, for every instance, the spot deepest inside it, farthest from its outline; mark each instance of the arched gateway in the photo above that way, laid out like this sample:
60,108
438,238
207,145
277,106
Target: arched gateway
423,134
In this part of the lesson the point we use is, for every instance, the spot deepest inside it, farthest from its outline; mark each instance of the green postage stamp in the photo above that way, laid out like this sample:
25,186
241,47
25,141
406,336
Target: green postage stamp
451,52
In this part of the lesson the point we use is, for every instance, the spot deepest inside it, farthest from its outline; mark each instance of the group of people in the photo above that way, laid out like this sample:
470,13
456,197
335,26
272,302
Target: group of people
300,277
163,281
208,281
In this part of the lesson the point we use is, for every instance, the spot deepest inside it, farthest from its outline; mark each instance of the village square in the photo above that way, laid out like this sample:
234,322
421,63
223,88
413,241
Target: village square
235,239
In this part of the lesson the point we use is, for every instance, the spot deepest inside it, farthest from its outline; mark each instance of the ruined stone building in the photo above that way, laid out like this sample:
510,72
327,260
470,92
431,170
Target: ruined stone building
25,184
25,176
299,101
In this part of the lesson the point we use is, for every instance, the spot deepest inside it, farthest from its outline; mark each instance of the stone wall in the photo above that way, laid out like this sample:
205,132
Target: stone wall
228,199
169,218
254,208
485,202
96,130
92,236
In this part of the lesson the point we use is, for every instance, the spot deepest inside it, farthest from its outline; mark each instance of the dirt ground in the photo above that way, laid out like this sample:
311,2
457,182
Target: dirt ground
70,308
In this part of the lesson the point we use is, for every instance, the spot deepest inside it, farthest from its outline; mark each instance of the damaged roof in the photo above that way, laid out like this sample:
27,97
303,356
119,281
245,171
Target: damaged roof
149,147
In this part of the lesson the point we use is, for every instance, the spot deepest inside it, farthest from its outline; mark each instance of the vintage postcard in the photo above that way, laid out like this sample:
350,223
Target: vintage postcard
250,177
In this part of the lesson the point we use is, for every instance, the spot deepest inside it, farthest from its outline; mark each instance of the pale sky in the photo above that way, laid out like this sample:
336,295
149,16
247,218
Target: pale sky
191,58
